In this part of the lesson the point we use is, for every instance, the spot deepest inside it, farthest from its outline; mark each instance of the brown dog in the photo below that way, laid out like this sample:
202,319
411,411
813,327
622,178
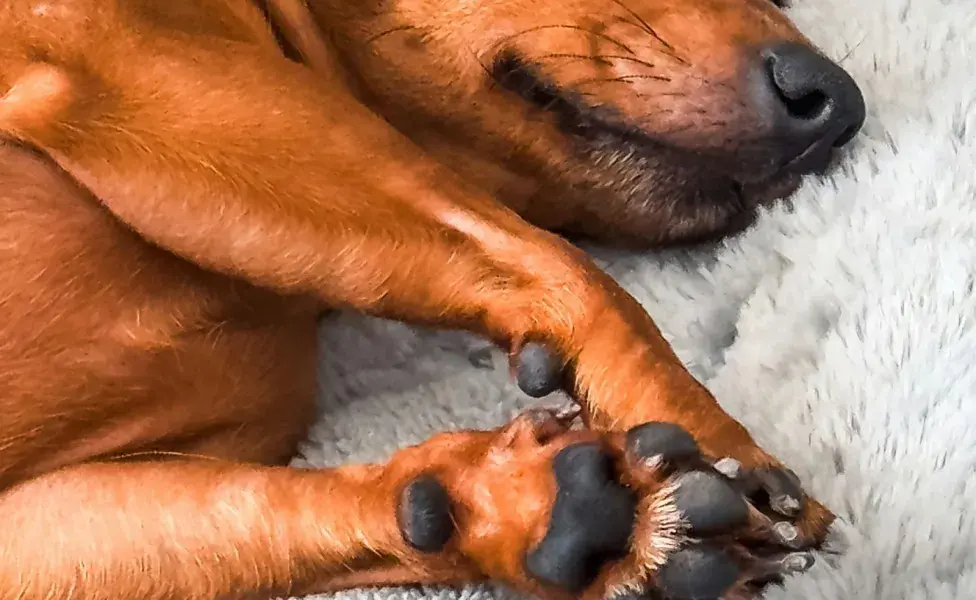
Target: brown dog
186,186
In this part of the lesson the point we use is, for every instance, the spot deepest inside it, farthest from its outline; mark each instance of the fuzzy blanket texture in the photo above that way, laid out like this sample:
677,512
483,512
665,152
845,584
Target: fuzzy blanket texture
841,331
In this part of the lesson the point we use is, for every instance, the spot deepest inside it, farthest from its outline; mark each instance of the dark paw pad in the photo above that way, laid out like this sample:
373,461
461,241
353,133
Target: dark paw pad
708,503
699,573
592,520
538,371
424,514
662,441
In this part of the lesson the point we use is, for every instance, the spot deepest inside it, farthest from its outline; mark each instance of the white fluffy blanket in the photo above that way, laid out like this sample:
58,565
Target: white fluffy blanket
841,332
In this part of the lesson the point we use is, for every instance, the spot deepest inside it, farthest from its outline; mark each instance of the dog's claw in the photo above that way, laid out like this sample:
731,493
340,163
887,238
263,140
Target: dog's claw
729,467
775,568
799,562
538,371
784,489
550,421
786,533
785,505
567,414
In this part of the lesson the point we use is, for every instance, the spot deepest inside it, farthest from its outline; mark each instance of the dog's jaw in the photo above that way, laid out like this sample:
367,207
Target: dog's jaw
629,169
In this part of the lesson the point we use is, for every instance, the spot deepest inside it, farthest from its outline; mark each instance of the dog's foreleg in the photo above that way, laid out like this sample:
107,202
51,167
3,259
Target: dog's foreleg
242,162
200,530
247,164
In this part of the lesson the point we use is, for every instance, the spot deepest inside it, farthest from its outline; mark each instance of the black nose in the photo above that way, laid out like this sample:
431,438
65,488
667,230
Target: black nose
818,103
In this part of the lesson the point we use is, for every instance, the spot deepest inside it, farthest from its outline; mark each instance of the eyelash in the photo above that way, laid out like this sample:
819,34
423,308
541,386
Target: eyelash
781,3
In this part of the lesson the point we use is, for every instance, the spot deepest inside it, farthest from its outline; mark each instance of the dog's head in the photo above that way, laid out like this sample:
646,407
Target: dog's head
643,121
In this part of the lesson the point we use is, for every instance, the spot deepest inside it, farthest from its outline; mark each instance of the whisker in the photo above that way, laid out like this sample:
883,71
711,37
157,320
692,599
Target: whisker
383,34
851,51
621,79
491,74
611,57
629,59
574,56
158,454
604,58
594,95
572,27
643,24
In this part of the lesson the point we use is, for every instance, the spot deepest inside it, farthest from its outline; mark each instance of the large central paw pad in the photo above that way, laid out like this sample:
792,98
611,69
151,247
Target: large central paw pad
693,529
592,519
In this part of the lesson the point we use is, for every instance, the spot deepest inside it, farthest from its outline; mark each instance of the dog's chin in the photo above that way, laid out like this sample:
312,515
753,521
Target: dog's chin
639,198
768,191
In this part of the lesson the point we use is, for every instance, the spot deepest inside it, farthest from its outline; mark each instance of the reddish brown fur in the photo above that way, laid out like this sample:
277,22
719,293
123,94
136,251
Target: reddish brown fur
674,68
177,210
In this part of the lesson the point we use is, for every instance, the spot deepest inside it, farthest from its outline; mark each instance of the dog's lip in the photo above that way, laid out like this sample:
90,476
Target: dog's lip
516,75
764,191
815,159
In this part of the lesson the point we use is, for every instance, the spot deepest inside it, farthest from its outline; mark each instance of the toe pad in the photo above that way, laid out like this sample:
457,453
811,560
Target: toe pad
665,441
424,514
538,371
698,573
708,503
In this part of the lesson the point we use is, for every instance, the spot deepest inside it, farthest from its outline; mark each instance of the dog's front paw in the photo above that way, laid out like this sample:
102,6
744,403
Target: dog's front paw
644,514
722,442
708,528
772,489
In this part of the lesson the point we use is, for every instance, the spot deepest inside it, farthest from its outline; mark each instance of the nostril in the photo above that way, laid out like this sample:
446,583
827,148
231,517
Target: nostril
798,93
808,106
819,98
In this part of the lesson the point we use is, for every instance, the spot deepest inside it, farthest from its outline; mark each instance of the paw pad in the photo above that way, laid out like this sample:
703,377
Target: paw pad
424,514
784,490
538,371
698,573
662,442
708,503
592,520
